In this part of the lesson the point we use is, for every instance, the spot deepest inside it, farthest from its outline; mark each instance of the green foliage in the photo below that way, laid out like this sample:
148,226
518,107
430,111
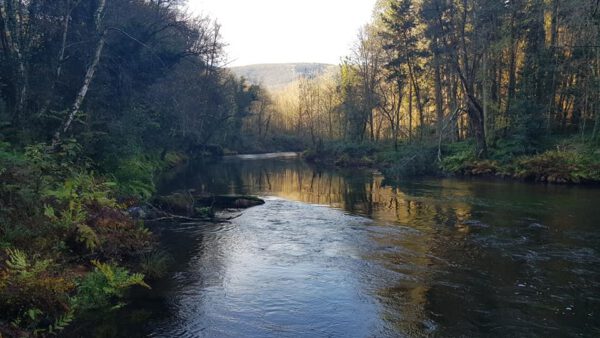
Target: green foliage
135,177
59,163
85,189
173,159
155,264
570,162
74,196
87,236
105,284
410,160
61,323
53,205
556,166
31,293
457,156
18,263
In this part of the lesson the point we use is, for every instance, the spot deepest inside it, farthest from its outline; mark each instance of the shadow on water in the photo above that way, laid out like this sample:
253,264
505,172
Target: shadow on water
338,253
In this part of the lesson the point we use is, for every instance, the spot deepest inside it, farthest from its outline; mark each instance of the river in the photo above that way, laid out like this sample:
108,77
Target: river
342,254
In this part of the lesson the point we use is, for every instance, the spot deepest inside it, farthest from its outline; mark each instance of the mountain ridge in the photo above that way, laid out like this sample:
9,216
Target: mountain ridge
275,76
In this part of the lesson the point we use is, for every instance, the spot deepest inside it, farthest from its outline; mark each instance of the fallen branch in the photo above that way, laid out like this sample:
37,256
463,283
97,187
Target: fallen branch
165,216
180,218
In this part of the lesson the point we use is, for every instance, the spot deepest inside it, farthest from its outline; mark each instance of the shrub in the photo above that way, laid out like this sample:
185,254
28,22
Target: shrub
119,237
32,294
135,177
556,166
105,285
410,160
457,157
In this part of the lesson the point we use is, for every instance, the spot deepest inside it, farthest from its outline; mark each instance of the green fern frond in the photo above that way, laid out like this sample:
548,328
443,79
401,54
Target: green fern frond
17,260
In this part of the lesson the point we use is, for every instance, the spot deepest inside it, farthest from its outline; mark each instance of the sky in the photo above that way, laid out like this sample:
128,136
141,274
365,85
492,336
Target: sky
282,31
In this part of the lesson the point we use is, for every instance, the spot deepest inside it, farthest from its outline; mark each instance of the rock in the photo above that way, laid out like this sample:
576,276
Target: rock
137,212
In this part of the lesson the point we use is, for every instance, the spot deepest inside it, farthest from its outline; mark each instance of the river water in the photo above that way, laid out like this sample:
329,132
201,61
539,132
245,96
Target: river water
343,254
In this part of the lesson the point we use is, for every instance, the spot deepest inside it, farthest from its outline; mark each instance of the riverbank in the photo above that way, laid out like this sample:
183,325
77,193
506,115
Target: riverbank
558,160
68,246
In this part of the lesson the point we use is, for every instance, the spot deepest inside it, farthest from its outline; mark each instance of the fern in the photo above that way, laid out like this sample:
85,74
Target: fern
18,263
61,323
87,236
17,260
107,283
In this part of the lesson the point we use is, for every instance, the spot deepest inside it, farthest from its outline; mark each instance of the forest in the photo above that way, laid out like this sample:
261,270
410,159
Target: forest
99,97
463,87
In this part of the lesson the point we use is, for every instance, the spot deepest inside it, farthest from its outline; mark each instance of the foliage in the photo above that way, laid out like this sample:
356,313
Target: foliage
31,292
155,264
570,162
104,284
556,166
51,204
459,155
410,160
135,177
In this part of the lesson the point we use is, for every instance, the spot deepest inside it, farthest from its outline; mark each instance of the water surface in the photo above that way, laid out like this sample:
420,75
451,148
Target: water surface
341,254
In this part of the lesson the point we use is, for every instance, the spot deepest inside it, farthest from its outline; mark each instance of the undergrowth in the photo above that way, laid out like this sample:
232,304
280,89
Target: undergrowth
552,160
63,235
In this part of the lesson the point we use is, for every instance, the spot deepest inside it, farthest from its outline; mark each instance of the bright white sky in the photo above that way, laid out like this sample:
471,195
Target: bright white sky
277,31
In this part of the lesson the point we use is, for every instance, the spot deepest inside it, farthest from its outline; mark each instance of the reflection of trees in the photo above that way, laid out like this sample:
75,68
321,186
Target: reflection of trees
432,210
425,254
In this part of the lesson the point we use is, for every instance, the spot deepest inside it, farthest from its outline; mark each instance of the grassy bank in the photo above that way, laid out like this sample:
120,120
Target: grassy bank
553,160
67,244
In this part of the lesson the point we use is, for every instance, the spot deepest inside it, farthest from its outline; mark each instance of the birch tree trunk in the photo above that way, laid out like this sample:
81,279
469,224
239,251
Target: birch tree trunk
89,76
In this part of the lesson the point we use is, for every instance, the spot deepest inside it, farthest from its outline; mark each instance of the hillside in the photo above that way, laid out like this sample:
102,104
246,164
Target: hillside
277,76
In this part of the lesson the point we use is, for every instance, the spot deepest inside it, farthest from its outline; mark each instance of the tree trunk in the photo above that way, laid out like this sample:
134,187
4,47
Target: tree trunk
60,59
485,95
410,116
512,68
89,76
415,85
439,109
476,115
15,53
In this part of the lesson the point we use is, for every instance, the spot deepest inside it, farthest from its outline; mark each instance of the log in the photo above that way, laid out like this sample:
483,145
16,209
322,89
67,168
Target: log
193,205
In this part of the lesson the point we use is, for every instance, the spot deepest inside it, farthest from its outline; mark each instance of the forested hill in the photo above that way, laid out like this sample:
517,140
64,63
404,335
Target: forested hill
278,75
